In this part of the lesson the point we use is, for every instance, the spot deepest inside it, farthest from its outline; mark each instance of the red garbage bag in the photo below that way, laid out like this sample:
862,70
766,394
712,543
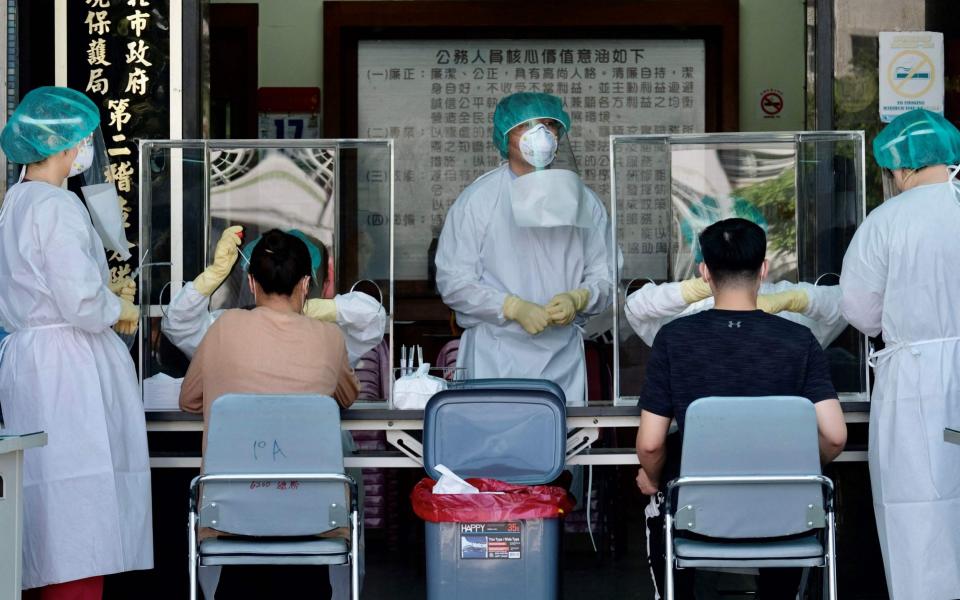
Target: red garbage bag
515,503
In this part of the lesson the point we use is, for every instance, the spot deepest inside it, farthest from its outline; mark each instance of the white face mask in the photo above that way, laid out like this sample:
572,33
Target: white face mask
538,145
84,159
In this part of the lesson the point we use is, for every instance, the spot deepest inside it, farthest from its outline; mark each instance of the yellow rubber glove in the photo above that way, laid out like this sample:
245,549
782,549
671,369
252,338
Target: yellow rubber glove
532,317
125,288
563,308
321,310
695,290
129,318
791,301
228,248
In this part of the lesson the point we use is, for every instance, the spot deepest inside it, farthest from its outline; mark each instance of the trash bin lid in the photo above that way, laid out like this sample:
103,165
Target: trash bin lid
514,433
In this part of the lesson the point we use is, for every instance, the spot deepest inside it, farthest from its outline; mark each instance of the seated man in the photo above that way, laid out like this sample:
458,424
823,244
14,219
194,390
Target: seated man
272,349
733,349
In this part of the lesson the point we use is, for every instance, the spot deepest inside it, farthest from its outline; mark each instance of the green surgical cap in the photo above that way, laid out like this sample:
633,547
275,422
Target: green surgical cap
521,107
917,139
247,250
48,120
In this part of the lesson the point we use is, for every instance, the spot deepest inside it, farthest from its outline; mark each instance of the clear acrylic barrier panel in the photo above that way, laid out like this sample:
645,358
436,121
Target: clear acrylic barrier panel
806,189
339,193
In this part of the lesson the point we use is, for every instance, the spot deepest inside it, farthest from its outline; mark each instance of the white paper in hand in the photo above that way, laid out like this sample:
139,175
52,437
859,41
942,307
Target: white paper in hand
451,483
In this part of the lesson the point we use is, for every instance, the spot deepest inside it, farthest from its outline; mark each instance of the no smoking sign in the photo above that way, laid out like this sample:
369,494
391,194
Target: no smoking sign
911,72
771,103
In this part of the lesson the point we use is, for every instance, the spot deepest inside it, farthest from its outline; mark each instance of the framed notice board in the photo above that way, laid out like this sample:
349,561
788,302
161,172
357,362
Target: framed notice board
429,73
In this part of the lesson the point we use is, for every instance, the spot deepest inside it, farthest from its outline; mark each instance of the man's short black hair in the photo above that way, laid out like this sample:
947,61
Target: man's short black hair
733,249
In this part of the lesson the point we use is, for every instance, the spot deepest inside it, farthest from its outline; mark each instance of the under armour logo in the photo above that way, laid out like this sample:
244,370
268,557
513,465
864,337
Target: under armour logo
730,324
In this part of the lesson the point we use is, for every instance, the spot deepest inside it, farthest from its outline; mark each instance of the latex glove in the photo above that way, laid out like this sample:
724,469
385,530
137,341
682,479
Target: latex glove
563,308
228,248
695,290
321,310
532,317
129,318
125,288
791,301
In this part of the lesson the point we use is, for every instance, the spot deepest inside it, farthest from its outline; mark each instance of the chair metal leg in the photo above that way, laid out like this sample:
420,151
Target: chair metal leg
668,574
354,557
194,559
831,577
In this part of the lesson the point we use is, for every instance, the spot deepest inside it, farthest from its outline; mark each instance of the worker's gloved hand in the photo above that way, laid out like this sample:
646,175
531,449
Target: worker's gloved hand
532,317
129,318
321,310
791,301
695,290
125,288
563,308
223,258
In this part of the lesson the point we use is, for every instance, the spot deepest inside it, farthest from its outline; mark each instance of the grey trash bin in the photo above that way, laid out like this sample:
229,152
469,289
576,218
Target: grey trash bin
513,431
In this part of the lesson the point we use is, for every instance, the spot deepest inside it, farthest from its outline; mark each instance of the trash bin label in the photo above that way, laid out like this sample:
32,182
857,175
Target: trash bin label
490,540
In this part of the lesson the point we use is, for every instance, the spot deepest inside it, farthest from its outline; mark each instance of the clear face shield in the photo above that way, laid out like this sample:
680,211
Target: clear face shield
889,184
553,195
99,191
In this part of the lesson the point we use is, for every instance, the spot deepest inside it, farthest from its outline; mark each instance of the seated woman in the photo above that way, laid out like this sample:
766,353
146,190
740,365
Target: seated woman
272,349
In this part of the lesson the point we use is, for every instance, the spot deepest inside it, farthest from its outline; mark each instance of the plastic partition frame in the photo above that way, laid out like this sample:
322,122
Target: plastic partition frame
175,146
752,138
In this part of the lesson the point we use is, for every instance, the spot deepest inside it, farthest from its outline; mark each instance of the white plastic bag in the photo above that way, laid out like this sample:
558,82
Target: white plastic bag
451,483
411,392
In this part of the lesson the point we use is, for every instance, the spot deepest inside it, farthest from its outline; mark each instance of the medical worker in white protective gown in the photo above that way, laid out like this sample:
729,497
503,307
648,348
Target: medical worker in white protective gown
63,369
523,257
360,317
817,307
900,280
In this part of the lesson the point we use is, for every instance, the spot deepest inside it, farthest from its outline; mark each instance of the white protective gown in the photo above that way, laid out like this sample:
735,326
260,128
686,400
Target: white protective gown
64,371
483,257
188,317
900,279
653,306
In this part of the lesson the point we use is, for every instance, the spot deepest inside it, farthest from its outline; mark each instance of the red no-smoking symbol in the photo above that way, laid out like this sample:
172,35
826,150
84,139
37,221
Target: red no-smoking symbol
771,103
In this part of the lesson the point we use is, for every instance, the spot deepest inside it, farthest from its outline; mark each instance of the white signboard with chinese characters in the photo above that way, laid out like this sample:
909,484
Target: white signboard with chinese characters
911,72
436,99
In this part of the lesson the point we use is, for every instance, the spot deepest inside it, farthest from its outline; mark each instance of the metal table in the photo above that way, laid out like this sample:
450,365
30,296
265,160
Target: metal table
11,508
583,425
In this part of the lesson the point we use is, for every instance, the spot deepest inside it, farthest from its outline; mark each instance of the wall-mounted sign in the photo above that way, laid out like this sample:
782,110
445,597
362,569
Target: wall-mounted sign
771,103
436,98
286,113
119,55
911,72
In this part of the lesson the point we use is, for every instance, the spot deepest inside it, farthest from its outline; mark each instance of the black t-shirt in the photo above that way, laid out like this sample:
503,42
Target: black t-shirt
732,353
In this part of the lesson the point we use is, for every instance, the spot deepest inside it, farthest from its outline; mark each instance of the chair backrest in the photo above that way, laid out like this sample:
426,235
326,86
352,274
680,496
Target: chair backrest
268,434
773,435
373,372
